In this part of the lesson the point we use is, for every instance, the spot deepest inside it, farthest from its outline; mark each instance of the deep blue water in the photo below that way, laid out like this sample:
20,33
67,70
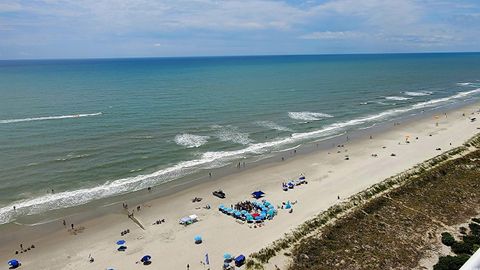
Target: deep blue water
96,128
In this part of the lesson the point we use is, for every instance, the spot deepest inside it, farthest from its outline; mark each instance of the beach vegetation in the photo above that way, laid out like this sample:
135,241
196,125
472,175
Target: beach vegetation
450,262
394,221
447,239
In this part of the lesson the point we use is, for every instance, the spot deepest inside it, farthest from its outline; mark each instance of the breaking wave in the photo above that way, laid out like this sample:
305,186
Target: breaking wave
418,94
397,98
190,140
8,121
308,116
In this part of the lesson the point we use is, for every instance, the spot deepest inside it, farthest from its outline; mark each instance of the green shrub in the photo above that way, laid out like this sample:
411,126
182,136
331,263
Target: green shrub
447,239
474,228
471,239
450,262
462,248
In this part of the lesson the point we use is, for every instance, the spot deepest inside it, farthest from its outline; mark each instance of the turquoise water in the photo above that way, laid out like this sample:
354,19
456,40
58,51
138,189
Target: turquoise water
97,128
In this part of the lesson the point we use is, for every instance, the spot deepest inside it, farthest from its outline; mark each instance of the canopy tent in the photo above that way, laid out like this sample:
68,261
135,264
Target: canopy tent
258,194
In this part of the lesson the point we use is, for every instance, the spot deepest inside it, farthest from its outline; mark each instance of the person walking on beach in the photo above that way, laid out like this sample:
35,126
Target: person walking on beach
64,223
188,266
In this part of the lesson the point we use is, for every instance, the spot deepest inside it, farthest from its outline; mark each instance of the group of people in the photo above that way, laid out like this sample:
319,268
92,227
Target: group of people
158,222
245,205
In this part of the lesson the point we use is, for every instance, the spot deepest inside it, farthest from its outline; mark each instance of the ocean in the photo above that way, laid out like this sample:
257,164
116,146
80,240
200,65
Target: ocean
98,128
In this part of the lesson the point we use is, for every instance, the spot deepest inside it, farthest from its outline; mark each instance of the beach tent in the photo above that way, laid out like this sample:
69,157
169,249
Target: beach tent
258,194
13,263
239,260
185,220
198,239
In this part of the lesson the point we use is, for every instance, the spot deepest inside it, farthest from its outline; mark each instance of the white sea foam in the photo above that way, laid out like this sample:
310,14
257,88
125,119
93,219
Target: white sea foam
232,134
464,83
397,98
125,185
418,94
8,121
70,157
308,116
190,140
272,125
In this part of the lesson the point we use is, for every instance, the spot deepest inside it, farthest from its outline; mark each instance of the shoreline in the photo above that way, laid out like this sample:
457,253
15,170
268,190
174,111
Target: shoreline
96,208
329,175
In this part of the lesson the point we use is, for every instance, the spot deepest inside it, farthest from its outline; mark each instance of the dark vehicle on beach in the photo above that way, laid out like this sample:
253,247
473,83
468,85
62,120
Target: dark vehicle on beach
219,193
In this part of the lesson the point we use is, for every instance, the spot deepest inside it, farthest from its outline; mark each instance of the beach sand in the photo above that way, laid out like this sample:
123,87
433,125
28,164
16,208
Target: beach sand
172,245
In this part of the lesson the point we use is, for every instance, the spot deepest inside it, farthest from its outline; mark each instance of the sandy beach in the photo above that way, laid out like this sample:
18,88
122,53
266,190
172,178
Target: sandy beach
329,173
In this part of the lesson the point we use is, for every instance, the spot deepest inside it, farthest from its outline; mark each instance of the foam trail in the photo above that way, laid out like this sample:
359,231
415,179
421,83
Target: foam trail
418,94
232,134
272,125
397,98
190,140
9,121
308,116
125,185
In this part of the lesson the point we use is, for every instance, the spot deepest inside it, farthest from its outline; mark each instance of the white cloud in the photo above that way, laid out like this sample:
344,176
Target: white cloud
329,35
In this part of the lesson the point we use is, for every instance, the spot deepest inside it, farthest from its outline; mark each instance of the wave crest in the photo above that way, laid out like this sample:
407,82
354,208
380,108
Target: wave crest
190,140
418,94
8,121
308,116
397,98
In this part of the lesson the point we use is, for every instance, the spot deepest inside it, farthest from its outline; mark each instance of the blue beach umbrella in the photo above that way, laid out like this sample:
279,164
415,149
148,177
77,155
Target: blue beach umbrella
146,258
258,194
13,263
121,242
198,239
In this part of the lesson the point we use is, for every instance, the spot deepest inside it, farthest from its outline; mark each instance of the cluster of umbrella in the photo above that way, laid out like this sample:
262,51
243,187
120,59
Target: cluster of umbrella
265,208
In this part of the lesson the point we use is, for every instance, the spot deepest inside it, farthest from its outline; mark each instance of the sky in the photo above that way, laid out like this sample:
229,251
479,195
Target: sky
38,29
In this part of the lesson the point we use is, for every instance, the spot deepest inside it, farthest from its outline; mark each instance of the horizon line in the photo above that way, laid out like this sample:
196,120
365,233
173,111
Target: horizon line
232,56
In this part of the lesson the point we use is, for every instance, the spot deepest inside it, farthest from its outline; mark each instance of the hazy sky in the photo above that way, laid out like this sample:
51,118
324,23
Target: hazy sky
130,28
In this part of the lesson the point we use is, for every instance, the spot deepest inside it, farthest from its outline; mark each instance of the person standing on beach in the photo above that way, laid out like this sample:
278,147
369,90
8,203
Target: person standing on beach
64,223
